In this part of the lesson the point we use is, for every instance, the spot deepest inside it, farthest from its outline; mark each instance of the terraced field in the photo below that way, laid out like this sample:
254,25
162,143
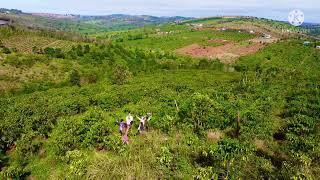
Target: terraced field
64,45
26,43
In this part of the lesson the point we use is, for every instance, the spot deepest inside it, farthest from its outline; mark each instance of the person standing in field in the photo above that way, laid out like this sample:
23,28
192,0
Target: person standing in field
123,131
122,127
129,122
143,120
141,124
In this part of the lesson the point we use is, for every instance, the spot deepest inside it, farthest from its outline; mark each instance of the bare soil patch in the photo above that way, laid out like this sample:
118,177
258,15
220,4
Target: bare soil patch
248,49
263,40
227,53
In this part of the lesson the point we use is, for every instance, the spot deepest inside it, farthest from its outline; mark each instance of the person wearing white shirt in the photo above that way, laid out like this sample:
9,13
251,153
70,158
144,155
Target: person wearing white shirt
141,124
129,119
129,122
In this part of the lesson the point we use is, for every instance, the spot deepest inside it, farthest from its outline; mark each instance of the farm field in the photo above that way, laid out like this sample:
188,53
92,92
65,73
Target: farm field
223,103
186,37
227,45
26,43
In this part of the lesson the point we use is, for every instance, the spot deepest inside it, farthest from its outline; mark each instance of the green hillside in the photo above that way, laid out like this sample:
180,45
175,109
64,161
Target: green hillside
255,117
83,24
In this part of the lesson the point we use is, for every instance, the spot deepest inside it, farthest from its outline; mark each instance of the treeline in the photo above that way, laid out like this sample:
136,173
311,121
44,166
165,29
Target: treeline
13,11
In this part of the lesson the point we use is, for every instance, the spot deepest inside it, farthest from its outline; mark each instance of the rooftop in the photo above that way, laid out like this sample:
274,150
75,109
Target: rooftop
3,22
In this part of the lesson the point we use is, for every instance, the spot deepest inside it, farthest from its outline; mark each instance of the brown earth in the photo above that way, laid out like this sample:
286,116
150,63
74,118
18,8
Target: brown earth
227,53
264,40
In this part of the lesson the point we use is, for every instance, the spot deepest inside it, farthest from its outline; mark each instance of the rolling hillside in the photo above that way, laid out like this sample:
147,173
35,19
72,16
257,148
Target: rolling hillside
83,24
230,98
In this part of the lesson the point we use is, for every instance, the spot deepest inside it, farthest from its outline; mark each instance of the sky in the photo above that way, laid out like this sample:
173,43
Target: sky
274,9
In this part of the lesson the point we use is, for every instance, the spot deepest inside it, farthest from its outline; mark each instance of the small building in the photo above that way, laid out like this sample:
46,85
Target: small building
4,23
306,43
317,47
251,32
266,36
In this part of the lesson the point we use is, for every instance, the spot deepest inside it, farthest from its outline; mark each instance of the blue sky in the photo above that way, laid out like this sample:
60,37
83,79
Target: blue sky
275,9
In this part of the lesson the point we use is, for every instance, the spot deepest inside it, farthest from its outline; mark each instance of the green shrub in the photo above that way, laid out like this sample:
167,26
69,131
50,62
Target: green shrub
166,157
6,50
121,73
54,52
22,61
14,171
74,78
37,86
77,162
230,148
205,173
203,113
72,106
88,130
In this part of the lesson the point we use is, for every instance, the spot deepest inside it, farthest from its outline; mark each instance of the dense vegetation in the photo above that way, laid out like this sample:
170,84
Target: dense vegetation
171,37
255,119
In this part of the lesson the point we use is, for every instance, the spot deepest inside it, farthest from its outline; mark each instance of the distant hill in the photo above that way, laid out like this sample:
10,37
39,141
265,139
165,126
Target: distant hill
105,23
55,16
83,24
135,18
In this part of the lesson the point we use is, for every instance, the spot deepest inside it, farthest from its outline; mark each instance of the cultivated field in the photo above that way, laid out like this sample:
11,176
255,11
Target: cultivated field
225,39
25,43
252,115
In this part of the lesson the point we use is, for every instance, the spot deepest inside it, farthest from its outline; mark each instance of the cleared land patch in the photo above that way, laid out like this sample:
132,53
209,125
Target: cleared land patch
226,53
